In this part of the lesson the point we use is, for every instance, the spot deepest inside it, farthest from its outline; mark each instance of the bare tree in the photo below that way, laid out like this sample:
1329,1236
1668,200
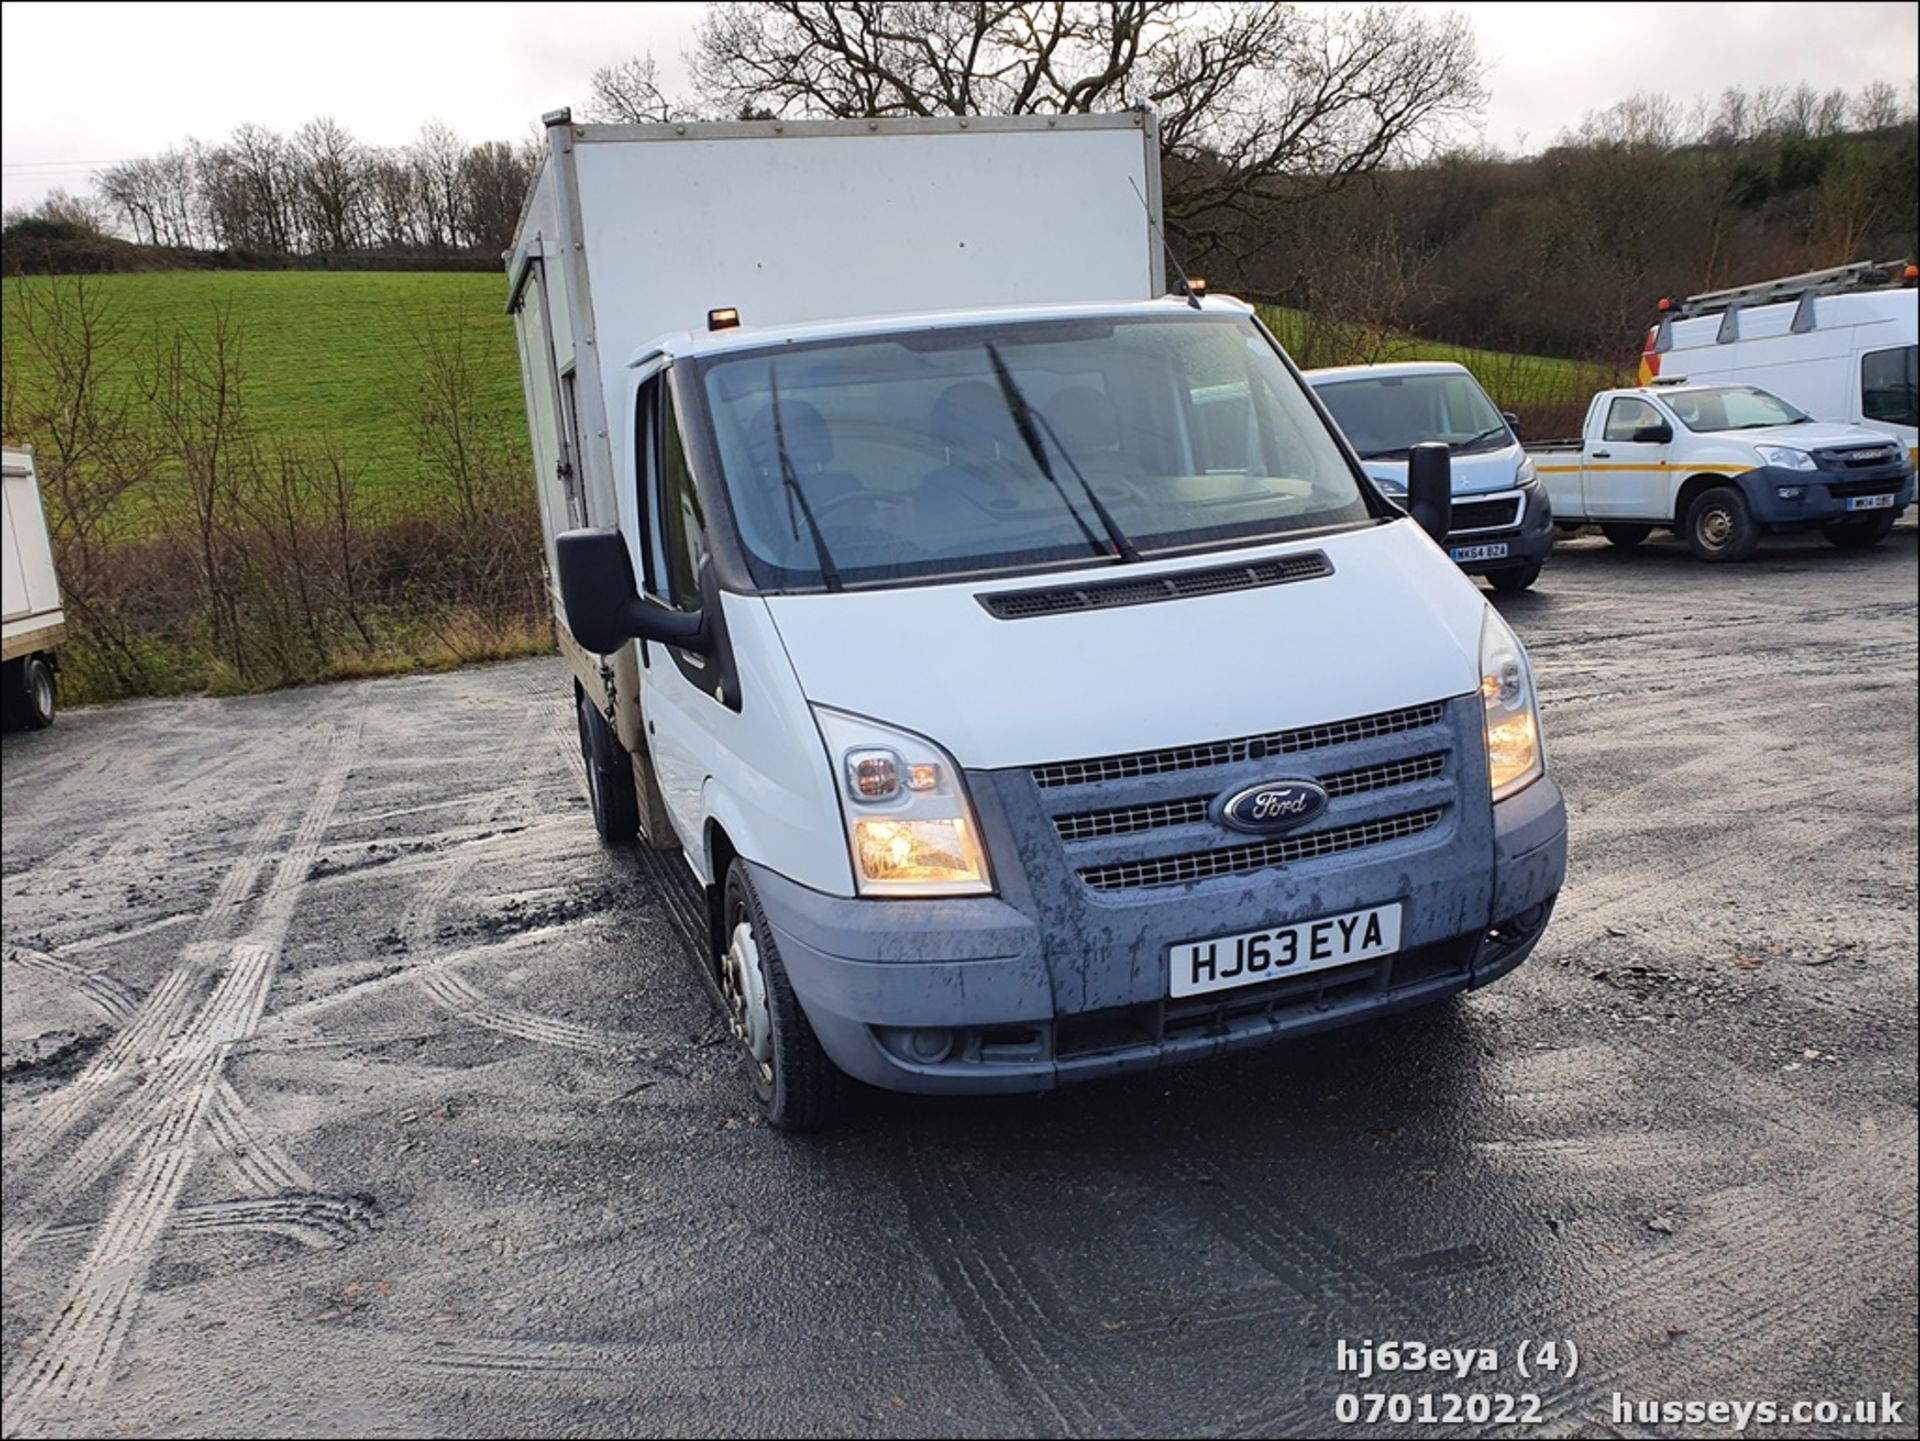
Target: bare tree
1249,96
439,192
333,181
629,94
494,178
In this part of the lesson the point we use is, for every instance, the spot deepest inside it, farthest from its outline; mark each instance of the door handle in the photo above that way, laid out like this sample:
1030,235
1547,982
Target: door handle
1602,454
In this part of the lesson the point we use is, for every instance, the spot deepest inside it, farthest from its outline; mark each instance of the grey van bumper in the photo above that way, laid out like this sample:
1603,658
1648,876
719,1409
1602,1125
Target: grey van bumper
1528,544
972,974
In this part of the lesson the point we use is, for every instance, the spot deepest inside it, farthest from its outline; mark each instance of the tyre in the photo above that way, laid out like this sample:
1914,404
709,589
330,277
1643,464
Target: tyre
1514,580
1860,532
1720,527
616,808
798,1086
1626,536
31,696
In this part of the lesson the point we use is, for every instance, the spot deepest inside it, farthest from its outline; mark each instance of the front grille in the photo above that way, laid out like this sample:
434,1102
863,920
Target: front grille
1228,752
1869,457
1130,820
1237,860
1502,514
1143,590
1378,778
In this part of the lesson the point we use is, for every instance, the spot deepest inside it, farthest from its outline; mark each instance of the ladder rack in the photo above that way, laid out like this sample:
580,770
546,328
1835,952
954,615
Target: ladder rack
1861,275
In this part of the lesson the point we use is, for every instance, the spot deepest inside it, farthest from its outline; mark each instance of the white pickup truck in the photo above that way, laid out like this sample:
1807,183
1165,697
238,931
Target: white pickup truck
1721,465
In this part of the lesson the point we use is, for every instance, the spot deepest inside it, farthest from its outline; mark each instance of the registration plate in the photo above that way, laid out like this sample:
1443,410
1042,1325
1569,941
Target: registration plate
1465,553
1870,502
1222,962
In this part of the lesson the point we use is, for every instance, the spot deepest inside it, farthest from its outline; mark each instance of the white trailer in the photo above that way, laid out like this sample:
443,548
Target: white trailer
35,624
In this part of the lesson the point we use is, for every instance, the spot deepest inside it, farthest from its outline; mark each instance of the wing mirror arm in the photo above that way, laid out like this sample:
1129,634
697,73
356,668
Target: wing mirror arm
604,607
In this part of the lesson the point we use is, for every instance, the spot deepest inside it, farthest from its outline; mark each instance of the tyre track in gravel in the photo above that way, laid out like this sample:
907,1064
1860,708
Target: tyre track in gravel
74,1360
1005,1302
112,998
167,1007
316,1220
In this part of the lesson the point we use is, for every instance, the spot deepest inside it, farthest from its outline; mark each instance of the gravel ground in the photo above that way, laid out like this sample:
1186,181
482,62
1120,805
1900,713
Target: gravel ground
350,1087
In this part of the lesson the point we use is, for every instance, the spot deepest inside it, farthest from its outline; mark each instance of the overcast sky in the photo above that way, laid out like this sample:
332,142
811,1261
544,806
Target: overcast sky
85,85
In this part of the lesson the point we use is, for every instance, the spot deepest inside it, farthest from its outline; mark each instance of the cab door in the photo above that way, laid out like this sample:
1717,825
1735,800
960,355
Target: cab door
682,694
1624,475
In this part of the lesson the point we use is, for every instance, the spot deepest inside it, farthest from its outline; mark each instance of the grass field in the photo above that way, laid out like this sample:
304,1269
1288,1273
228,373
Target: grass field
325,354
1545,384
335,355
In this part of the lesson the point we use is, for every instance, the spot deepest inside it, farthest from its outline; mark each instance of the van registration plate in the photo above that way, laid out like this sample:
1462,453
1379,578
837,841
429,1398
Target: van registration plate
1220,963
1870,502
1464,553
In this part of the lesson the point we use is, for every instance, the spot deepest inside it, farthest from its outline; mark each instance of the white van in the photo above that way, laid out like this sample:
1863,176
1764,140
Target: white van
1031,692
1839,344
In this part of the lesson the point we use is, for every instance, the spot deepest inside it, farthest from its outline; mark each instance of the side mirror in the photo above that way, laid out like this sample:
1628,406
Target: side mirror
604,607
1661,434
1513,422
1430,488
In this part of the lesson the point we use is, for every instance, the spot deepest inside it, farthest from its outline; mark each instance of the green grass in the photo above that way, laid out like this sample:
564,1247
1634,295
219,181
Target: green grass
328,355
1515,381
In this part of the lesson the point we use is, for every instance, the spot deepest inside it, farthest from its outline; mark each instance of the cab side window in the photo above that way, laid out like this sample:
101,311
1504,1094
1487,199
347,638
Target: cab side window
1628,414
679,522
1887,386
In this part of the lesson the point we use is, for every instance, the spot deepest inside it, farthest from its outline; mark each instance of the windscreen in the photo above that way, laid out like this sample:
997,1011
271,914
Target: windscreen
960,450
1385,416
1730,407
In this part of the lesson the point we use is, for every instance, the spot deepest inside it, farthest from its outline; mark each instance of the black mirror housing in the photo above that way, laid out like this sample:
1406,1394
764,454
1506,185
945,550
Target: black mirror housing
604,606
1430,488
1661,434
1513,422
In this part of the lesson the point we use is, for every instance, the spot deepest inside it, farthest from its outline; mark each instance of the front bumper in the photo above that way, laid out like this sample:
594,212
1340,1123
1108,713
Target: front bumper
1784,499
1527,545
1049,984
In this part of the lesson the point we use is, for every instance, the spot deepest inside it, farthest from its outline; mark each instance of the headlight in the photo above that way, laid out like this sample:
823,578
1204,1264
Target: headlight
1393,489
910,827
1525,475
1785,458
1515,757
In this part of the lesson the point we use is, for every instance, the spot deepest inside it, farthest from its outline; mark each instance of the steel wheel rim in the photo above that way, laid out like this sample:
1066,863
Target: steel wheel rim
1715,527
42,690
744,985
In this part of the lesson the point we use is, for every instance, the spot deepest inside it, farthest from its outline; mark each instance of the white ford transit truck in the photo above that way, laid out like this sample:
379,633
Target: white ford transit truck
1013,666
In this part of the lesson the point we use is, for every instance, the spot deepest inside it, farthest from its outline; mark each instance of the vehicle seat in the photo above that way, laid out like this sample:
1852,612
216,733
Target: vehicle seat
809,447
1087,426
986,460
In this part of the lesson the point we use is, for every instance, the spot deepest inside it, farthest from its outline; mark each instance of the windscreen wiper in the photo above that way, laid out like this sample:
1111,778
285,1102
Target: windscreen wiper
1023,421
1487,434
829,573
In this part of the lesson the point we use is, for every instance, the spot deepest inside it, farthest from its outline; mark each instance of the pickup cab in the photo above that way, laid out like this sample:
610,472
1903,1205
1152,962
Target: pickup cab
1502,523
1722,465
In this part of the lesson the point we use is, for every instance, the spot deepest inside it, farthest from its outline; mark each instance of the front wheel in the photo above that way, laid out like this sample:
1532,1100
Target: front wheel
1514,580
1626,536
798,1086
1720,527
1860,532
